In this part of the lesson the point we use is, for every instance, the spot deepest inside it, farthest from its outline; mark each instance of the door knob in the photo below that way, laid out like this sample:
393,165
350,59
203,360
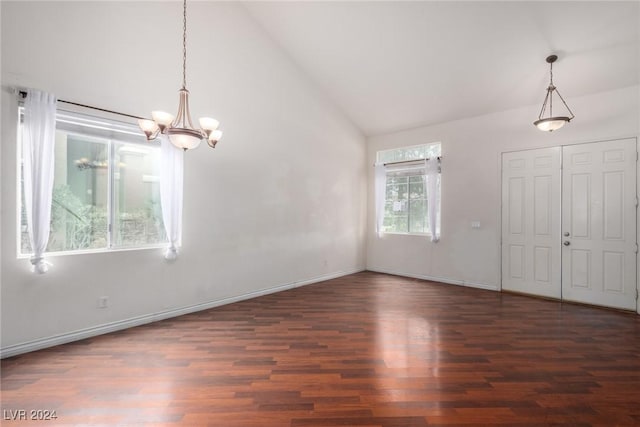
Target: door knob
567,234
566,243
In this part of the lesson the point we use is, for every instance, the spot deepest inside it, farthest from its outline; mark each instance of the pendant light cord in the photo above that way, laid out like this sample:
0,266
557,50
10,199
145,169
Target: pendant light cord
184,45
551,88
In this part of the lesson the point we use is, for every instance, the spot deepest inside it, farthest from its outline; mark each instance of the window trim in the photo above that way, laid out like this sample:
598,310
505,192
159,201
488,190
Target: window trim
399,233
121,126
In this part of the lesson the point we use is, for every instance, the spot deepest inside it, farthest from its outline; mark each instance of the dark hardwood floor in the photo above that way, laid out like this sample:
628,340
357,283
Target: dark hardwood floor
363,350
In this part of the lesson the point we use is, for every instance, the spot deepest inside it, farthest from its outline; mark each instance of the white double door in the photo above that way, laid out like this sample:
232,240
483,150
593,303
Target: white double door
569,223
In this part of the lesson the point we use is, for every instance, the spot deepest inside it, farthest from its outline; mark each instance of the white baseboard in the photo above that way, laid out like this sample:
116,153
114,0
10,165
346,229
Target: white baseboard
39,344
438,279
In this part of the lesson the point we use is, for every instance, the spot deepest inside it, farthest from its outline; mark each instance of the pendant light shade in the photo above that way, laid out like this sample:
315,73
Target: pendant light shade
552,123
179,129
549,123
181,138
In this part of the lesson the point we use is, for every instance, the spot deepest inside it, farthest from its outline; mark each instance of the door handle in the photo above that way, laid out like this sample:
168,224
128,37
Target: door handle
566,243
567,234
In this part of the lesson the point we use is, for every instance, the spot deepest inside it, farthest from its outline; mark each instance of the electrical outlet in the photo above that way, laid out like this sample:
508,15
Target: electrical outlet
103,302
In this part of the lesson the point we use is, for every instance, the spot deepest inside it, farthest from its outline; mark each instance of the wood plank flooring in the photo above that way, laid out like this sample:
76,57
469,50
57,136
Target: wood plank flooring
364,350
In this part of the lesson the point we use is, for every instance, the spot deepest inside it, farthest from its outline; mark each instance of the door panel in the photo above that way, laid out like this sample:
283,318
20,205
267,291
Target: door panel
531,222
580,215
599,213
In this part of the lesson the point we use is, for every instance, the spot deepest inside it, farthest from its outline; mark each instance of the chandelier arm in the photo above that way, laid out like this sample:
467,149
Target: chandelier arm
187,113
152,135
178,122
565,104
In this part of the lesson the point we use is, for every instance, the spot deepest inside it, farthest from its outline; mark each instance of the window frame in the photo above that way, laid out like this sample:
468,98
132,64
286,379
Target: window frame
115,126
428,233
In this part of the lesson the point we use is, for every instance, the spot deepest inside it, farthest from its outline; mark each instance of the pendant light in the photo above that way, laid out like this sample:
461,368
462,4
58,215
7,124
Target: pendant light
179,129
551,122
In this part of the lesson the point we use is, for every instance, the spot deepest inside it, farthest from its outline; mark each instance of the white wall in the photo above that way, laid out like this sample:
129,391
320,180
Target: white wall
471,150
279,202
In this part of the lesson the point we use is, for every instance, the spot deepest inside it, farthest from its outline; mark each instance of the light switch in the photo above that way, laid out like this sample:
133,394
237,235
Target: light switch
475,224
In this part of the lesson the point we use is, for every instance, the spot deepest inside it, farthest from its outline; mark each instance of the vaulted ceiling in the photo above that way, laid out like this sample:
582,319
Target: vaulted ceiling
395,65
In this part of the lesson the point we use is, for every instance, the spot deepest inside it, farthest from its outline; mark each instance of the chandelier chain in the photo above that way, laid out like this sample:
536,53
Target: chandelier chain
184,45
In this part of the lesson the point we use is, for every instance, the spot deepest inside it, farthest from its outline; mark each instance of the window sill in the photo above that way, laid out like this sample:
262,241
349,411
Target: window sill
97,251
396,233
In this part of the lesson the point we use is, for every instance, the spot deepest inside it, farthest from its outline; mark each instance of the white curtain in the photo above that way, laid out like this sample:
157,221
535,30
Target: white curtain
171,190
432,185
380,196
38,142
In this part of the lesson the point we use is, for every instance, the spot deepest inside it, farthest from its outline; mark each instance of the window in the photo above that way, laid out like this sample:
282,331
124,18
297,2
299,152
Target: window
406,201
106,190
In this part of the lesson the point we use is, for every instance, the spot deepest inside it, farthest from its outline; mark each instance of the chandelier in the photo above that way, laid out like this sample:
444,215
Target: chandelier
551,122
179,129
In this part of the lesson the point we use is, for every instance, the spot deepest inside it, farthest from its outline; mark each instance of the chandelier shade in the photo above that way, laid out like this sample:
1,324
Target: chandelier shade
549,123
179,129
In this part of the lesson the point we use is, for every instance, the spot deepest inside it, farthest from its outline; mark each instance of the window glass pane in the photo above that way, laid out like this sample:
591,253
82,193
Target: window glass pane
399,155
418,217
403,190
400,224
392,190
387,225
385,156
25,245
414,153
136,196
79,199
80,186
433,150
438,205
416,187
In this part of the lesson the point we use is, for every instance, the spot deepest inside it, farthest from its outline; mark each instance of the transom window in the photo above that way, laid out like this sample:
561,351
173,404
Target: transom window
406,201
106,190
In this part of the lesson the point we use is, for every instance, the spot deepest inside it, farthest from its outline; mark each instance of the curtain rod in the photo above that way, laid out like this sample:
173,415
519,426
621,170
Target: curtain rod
23,95
409,161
